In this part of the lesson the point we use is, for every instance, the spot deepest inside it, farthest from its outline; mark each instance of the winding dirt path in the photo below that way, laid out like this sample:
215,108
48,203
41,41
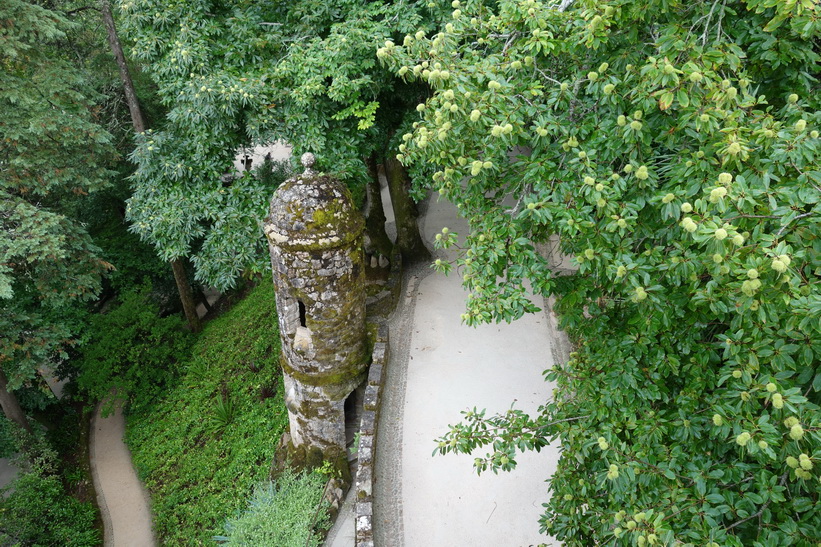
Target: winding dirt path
123,501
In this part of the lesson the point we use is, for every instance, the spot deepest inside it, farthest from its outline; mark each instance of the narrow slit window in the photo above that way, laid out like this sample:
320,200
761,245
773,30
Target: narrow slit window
301,313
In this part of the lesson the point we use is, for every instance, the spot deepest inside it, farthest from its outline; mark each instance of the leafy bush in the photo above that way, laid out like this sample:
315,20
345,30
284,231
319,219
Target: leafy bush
39,512
676,153
132,350
287,513
8,445
199,476
134,261
36,396
272,173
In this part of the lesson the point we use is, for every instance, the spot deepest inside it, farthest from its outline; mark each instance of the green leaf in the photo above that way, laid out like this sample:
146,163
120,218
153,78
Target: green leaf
683,98
666,100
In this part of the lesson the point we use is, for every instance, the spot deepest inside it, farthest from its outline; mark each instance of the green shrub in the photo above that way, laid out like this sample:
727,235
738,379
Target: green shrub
286,513
39,512
273,173
8,446
222,414
132,350
199,476
134,261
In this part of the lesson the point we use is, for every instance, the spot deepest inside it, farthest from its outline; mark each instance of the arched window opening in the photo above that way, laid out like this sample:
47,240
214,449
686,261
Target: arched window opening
301,314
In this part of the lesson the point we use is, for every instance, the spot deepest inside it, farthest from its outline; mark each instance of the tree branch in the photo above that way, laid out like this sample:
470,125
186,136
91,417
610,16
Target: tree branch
781,231
760,511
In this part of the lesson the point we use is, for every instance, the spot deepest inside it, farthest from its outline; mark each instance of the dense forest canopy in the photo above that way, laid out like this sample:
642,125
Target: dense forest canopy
255,72
54,151
672,146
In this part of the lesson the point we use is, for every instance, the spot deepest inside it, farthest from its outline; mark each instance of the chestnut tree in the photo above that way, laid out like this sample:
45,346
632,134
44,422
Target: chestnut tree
674,148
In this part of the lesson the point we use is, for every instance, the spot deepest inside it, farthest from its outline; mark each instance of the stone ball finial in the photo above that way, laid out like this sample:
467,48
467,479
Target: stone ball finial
308,160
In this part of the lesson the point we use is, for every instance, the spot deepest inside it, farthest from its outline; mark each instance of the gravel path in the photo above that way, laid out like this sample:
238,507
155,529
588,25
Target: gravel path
388,514
123,501
438,368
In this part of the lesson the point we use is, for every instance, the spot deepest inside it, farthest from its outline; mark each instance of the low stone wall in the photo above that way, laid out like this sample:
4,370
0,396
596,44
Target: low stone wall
363,508
363,482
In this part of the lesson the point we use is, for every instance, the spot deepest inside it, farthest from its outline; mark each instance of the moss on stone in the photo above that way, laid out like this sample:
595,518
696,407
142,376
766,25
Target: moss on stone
336,216
309,458
343,374
333,215
315,227
296,210
371,333
372,289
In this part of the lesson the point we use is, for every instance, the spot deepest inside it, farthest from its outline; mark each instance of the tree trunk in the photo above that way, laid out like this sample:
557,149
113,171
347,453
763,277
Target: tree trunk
128,86
138,121
11,408
186,295
204,299
375,219
407,230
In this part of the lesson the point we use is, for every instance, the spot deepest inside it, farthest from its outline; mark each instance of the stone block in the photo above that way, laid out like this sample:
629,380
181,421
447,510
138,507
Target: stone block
364,528
365,454
380,351
364,483
367,425
364,531
383,333
371,401
366,442
375,374
364,509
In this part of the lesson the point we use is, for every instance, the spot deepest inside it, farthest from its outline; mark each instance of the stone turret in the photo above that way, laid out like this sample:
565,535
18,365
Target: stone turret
315,238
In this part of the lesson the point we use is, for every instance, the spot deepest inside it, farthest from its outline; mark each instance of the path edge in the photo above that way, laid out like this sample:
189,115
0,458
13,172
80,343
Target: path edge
105,514
108,526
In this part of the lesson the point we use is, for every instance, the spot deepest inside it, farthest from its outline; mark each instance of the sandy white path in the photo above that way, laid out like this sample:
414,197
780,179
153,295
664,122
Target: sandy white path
452,367
122,499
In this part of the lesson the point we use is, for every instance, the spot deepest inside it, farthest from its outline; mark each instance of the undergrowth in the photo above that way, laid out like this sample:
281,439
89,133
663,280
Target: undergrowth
200,475
7,446
283,513
47,504
132,350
